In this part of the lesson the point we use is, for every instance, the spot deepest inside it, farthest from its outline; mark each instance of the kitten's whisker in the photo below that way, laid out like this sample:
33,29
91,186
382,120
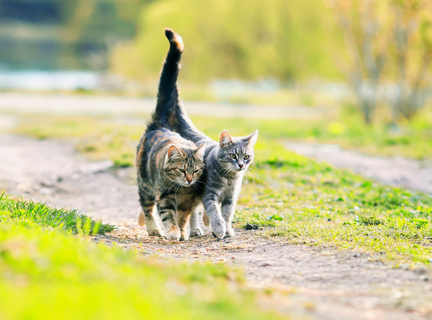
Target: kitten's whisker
254,171
250,180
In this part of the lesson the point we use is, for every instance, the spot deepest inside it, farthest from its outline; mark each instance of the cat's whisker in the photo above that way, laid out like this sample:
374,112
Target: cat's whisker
253,172
248,177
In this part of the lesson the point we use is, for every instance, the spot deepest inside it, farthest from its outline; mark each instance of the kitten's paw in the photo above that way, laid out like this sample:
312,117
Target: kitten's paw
219,229
155,233
173,234
184,236
196,232
230,232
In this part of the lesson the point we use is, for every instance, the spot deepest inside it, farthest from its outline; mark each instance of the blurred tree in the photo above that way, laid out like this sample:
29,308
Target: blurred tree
362,23
412,55
388,40
286,40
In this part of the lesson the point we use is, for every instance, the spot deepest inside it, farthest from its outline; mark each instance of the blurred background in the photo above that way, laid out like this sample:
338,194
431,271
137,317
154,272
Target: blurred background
310,53
357,72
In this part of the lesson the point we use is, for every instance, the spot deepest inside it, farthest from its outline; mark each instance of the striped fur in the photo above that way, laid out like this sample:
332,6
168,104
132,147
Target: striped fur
168,166
226,160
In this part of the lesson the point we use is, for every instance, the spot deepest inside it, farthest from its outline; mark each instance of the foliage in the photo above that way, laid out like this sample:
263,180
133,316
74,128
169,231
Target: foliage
25,213
235,39
388,42
48,274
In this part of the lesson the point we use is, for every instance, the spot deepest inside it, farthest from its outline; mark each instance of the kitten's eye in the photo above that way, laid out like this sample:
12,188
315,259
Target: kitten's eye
196,171
182,171
246,157
233,156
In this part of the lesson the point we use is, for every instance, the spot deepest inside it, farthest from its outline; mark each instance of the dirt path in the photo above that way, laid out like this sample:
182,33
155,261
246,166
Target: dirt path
308,282
121,106
400,172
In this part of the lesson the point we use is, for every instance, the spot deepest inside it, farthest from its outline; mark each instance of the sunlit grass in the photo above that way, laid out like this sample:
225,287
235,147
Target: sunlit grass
312,203
29,213
47,273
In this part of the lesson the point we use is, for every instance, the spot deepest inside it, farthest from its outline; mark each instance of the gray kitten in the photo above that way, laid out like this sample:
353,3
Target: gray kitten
226,161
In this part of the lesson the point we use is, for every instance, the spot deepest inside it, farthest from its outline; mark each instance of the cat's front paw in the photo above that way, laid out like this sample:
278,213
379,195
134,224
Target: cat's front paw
230,232
173,234
155,233
196,232
219,228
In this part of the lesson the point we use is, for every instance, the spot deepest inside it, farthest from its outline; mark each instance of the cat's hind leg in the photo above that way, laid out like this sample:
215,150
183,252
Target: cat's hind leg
141,218
195,227
206,220
183,217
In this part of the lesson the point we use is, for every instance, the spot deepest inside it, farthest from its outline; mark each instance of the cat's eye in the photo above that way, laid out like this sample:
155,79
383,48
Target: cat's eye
196,171
233,156
182,171
246,157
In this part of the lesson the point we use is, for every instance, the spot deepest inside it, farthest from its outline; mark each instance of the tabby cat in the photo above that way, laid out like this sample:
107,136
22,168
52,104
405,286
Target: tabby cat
167,164
226,161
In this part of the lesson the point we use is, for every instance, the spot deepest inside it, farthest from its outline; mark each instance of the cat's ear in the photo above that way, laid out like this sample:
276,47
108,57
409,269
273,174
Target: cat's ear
251,139
200,151
225,139
173,151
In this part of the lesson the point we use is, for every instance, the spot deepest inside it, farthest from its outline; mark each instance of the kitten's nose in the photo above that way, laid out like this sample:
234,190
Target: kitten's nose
189,180
241,166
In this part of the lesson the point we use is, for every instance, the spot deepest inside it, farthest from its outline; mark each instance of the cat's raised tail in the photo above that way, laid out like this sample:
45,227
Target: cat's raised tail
168,96
169,111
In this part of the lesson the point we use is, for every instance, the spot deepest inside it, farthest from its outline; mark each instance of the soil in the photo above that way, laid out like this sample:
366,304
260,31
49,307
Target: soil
306,282
396,171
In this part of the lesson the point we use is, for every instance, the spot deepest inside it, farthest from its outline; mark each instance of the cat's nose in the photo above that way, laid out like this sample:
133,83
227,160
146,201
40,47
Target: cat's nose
189,180
241,165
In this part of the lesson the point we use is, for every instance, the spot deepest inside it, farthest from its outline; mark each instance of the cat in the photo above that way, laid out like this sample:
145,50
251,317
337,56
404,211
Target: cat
168,166
226,160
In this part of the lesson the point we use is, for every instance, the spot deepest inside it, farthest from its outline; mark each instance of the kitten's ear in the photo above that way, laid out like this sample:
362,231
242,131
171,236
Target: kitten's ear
173,151
200,151
225,139
251,139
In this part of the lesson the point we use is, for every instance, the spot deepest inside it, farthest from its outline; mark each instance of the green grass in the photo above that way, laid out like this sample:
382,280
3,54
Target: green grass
97,137
313,203
48,273
347,129
297,198
24,213
100,138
